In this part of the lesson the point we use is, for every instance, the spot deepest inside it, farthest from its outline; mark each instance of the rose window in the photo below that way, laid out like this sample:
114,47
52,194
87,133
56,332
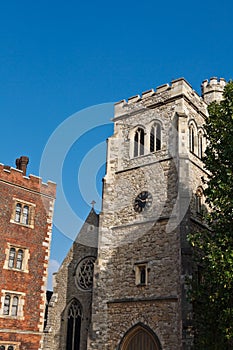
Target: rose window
84,273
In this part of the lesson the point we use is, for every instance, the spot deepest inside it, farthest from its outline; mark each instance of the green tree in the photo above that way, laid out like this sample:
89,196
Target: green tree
212,286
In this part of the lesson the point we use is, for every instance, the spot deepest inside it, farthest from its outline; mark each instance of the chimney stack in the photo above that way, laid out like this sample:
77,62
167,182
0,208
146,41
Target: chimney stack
21,164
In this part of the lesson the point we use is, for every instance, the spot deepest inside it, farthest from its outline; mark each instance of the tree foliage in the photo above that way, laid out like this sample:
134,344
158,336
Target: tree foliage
212,286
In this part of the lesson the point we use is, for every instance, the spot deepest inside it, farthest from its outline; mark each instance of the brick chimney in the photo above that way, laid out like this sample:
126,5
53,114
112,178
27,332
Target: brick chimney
21,164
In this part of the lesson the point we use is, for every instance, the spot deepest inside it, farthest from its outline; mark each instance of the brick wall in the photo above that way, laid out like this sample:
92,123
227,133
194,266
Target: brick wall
31,237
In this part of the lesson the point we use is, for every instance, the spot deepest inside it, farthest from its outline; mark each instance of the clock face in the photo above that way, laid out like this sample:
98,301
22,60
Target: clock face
143,201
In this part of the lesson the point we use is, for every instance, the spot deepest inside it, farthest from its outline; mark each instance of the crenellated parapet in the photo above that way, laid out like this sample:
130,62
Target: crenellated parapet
166,93
212,90
34,183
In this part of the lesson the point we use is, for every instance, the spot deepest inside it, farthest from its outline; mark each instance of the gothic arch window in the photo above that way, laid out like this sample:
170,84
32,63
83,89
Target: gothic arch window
193,142
200,144
74,316
139,140
199,201
140,337
191,138
155,137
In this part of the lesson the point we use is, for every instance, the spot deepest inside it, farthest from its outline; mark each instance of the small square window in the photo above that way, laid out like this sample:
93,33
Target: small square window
141,274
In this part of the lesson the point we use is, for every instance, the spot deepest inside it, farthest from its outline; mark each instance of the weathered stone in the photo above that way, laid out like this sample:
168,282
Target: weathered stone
153,240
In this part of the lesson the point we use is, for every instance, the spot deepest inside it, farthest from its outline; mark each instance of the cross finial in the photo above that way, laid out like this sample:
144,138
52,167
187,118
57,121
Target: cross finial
93,204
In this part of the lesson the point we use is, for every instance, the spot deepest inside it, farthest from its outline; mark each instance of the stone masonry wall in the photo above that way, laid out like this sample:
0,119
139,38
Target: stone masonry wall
156,237
66,289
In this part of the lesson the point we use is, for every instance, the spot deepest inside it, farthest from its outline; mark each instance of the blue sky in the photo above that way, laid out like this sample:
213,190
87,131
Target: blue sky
60,57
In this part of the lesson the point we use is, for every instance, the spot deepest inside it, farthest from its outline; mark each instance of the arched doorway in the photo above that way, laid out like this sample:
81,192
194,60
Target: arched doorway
140,337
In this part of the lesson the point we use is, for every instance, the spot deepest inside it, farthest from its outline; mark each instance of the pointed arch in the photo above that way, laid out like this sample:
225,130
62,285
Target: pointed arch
74,317
140,337
192,136
139,141
200,141
155,137
199,198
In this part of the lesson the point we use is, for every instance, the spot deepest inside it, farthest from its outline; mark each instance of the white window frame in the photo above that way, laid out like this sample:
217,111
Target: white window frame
10,343
19,217
21,301
26,256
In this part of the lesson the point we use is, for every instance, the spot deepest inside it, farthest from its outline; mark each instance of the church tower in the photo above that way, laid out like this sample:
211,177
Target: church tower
152,198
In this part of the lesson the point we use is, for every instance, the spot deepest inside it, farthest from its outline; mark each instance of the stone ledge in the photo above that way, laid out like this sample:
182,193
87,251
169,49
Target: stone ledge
173,298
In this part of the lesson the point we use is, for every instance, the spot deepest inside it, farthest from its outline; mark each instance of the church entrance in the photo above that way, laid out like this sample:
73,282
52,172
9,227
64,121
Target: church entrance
140,337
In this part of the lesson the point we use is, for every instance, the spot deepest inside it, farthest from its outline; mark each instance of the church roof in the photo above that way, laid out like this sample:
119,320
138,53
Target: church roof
88,234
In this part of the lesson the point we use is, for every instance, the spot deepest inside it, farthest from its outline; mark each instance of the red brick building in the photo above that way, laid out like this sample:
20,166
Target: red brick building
26,211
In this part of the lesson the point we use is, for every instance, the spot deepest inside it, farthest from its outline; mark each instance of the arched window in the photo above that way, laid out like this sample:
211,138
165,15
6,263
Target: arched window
191,138
16,258
23,213
200,145
11,261
25,218
18,209
140,337
73,326
14,307
19,261
7,302
11,303
155,137
139,137
199,201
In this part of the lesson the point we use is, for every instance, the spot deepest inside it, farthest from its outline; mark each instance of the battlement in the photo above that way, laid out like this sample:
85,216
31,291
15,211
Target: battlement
212,90
161,93
213,83
34,183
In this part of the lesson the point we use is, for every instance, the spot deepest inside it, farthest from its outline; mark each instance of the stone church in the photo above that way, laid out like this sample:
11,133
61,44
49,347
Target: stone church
122,285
